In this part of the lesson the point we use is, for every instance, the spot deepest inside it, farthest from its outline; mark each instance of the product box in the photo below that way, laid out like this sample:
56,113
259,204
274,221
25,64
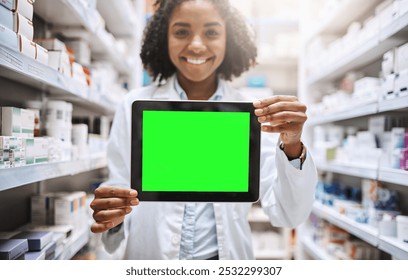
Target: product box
16,22
16,122
23,7
42,209
367,87
5,142
10,121
9,38
27,47
388,62
78,73
12,249
59,60
401,54
37,240
36,150
401,83
387,87
35,255
51,44
81,50
41,54
371,28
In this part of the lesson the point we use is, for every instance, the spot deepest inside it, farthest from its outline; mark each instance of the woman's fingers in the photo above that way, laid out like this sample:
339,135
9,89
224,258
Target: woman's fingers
114,192
104,216
109,203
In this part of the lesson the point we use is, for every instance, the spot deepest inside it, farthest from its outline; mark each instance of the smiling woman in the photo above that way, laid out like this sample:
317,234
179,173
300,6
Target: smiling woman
227,24
192,47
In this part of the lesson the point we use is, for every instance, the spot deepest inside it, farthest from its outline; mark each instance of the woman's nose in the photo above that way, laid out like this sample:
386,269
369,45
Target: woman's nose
197,45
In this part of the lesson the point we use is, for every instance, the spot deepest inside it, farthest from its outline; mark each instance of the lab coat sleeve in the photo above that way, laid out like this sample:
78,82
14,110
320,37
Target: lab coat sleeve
118,152
286,193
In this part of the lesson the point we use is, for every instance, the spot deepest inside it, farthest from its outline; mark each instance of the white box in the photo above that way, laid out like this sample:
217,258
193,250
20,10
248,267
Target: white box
78,73
59,60
10,121
17,122
36,150
27,47
5,142
401,58
370,29
388,86
388,62
23,7
27,123
366,84
401,83
81,50
9,38
51,44
41,54
402,228
16,22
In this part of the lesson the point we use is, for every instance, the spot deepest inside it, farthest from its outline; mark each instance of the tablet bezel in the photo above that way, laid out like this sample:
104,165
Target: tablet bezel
139,106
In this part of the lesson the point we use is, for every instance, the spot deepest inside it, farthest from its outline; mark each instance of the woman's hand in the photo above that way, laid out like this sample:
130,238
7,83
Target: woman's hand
110,206
283,114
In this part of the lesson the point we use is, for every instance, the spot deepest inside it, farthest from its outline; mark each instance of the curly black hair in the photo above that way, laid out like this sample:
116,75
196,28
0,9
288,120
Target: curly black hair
241,49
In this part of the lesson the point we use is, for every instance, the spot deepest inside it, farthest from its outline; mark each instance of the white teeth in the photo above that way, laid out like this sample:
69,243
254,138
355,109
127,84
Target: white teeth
195,61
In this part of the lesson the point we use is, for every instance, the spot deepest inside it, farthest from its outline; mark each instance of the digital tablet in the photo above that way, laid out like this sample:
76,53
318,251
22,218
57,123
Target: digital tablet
195,151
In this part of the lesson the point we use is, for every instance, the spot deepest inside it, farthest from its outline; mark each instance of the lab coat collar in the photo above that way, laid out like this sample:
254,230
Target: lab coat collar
168,92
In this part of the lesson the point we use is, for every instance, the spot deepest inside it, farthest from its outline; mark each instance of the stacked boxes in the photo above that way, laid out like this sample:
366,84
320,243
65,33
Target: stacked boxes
16,28
60,208
16,125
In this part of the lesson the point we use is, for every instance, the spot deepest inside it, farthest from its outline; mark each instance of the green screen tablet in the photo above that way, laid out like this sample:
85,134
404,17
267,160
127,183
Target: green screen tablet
200,151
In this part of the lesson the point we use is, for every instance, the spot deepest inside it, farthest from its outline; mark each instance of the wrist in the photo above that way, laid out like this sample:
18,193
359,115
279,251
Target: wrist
292,150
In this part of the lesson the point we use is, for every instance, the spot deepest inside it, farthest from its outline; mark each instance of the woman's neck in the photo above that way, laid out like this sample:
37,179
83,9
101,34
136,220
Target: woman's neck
201,90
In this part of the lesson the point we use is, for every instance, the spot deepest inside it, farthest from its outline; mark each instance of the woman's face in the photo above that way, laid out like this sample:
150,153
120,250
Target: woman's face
197,40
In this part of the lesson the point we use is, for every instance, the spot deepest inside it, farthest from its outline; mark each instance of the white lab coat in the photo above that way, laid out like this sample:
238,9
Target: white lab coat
153,229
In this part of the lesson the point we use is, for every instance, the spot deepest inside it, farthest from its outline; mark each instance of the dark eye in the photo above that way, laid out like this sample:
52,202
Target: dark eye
211,33
182,33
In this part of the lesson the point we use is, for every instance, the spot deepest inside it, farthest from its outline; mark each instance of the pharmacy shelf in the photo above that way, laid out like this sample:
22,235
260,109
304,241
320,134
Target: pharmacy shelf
23,69
397,103
361,110
350,169
391,175
362,231
365,232
368,52
383,174
314,250
76,243
353,111
18,176
394,247
334,22
119,17
72,14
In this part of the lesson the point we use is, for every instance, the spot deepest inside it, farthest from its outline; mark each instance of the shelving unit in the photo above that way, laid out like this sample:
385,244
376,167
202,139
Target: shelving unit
364,55
18,176
64,13
41,82
270,243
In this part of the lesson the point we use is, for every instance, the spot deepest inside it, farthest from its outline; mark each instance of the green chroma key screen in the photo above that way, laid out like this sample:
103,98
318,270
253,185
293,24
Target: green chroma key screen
193,151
